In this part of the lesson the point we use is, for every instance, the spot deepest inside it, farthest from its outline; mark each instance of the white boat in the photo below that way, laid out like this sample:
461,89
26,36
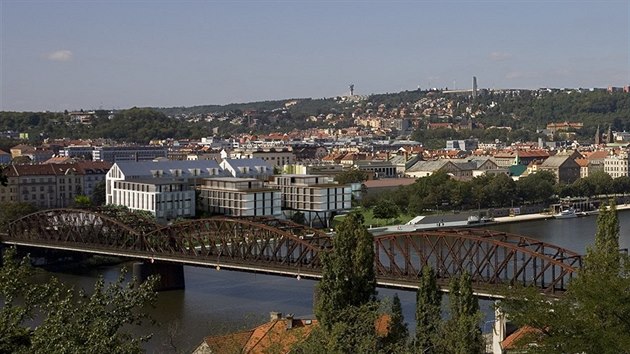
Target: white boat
566,214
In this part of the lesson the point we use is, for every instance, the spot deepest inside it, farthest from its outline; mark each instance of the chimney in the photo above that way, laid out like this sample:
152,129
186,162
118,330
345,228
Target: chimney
289,318
274,316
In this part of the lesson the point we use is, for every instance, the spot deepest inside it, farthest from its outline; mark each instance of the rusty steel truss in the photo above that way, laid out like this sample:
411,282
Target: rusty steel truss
491,257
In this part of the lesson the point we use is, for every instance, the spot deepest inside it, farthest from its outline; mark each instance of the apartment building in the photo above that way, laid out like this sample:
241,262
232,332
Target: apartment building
51,185
276,157
617,165
128,153
319,198
165,199
239,197
164,188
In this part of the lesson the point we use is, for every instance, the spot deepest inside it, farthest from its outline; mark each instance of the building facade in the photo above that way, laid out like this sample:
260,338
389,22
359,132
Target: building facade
239,197
317,197
617,165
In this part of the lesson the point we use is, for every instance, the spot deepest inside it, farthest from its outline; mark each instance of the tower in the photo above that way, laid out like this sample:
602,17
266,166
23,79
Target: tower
351,89
609,137
598,136
474,87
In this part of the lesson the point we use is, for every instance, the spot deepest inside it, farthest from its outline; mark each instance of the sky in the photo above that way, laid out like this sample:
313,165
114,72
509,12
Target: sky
97,54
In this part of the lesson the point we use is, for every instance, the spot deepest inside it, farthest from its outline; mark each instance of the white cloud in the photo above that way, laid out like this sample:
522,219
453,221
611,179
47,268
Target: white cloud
500,56
60,55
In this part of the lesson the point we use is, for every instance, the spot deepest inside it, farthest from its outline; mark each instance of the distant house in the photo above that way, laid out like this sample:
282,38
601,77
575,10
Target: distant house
280,335
5,158
563,166
462,169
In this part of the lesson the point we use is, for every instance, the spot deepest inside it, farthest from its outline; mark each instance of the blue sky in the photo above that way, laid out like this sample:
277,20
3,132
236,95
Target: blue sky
57,55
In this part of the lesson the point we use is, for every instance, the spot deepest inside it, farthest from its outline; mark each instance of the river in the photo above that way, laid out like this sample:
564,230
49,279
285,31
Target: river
216,302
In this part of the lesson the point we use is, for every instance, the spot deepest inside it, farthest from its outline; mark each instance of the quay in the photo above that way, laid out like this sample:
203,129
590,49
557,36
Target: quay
433,222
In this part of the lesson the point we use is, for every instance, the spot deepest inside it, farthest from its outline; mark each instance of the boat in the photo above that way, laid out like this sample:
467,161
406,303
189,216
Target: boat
473,219
566,214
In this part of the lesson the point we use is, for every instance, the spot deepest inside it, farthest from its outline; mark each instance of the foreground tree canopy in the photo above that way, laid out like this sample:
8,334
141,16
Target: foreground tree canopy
594,314
67,321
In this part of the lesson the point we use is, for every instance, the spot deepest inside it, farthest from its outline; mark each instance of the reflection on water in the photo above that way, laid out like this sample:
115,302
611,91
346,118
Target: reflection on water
217,302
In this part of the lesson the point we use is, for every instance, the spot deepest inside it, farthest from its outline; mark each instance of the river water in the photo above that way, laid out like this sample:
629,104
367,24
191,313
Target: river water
217,302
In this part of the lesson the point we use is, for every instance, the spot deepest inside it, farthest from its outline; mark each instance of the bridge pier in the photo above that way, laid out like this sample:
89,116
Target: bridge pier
498,329
171,275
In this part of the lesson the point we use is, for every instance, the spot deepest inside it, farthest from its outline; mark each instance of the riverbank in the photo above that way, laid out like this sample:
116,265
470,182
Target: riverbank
446,221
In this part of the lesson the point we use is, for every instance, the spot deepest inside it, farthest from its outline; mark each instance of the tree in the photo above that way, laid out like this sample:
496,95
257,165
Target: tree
351,176
397,335
11,211
82,201
385,209
99,194
298,218
592,316
428,312
348,284
461,333
70,322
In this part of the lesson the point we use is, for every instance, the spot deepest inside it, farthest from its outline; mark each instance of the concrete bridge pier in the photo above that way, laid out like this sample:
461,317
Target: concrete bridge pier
171,274
498,329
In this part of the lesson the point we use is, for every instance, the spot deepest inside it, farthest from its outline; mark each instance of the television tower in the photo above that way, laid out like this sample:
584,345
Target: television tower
351,89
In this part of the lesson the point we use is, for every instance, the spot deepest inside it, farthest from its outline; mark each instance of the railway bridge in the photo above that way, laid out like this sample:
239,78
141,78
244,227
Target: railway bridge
494,259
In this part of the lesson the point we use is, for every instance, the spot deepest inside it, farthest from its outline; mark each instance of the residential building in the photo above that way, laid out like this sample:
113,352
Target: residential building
523,157
317,197
80,151
128,153
462,169
239,197
51,185
164,188
276,157
616,165
166,199
35,154
5,158
464,144
563,166
279,335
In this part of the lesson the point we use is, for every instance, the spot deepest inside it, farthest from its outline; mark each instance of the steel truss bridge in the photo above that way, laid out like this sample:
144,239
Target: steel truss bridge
284,248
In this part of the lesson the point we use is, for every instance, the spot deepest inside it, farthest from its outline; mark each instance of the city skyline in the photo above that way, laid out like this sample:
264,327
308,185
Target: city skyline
70,55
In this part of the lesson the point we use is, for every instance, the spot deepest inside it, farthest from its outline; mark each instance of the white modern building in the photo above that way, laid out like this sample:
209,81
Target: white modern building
319,198
247,168
164,188
239,197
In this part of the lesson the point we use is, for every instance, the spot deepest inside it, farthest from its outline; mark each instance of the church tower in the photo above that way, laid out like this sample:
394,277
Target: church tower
598,136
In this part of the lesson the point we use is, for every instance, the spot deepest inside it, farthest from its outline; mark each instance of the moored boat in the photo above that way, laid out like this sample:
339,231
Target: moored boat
566,214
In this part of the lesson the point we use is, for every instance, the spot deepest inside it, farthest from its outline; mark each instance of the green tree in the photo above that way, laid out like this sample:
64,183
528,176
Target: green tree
385,209
11,211
461,333
592,316
395,341
70,322
428,312
348,279
82,201
99,194
351,176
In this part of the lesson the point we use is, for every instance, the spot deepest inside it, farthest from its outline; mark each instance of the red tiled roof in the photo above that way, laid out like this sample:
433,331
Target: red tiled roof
514,340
